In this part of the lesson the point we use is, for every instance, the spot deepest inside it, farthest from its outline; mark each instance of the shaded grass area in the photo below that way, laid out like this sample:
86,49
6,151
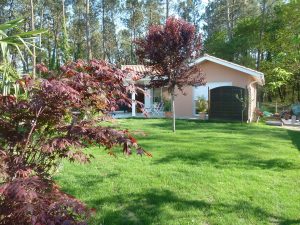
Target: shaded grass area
205,173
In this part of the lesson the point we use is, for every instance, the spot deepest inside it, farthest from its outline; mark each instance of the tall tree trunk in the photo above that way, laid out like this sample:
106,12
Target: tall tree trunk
132,37
281,96
131,49
25,54
133,46
298,92
49,50
66,48
173,110
293,93
53,62
11,11
87,30
103,31
39,58
228,20
33,48
117,53
261,30
63,14
167,8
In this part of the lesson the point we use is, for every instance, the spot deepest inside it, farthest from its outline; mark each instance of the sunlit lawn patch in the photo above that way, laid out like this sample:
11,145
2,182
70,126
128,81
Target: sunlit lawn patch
205,173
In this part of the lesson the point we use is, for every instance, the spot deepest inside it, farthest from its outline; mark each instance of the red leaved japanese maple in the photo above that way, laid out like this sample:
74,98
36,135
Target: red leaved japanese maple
168,51
60,116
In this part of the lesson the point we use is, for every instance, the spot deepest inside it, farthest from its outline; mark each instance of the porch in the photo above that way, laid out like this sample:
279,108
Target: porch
151,98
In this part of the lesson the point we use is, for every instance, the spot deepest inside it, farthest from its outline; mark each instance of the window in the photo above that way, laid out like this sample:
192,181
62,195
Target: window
202,92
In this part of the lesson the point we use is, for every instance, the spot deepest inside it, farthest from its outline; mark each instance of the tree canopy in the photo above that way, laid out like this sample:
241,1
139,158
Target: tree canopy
168,51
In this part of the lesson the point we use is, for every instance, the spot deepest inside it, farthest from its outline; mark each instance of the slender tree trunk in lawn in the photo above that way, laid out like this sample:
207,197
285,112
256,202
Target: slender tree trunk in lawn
173,110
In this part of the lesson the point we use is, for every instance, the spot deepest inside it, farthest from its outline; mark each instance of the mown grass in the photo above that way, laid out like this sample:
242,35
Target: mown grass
206,173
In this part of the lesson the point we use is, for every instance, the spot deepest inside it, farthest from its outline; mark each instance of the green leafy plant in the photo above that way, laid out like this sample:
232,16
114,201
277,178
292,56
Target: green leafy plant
167,105
202,104
8,73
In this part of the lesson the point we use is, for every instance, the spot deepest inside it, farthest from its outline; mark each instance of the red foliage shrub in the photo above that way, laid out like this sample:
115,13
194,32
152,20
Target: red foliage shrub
32,200
59,116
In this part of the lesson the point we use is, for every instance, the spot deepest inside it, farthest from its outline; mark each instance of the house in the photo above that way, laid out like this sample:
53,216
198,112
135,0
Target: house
226,84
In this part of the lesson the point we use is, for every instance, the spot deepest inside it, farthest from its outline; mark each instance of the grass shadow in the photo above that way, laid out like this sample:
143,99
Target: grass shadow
154,205
146,208
86,182
295,137
220,127
229,160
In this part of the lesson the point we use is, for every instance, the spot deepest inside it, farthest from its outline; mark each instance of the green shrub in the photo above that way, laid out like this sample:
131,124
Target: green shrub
201,104
167,105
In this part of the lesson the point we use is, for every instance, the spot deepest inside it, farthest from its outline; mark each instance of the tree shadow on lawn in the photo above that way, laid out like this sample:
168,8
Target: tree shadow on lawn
239,151
295,137
151,207
85,181
218,127
228,160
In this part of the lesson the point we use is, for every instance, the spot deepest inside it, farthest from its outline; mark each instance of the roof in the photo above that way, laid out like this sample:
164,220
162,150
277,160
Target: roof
136,68
259,76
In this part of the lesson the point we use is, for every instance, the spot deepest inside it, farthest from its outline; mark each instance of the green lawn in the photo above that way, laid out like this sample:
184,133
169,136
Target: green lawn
207,173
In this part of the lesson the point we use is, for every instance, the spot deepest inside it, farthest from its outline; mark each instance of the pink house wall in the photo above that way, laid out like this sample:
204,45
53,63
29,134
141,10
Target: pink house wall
184,104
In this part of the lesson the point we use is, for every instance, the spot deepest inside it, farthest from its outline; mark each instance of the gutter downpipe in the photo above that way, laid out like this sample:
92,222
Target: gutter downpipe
249,103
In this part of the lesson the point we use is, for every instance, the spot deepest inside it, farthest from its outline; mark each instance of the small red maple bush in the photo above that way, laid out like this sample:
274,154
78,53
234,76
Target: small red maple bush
60,116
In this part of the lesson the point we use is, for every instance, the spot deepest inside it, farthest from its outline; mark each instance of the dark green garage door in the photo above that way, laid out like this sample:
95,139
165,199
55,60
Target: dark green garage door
225,105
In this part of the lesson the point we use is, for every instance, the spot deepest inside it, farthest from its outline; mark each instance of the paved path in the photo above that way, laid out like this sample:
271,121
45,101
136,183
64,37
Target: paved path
291,128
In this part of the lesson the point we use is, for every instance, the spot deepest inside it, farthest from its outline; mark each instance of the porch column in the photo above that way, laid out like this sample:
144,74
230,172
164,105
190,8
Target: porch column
133,111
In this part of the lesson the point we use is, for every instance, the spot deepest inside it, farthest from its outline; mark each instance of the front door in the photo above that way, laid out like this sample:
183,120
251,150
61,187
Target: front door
226,103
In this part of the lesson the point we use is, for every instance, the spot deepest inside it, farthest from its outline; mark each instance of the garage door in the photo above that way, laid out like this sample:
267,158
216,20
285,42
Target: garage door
224,103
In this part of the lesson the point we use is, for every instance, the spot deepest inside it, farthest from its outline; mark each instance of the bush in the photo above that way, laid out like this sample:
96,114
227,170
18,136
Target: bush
38,131
167,105
201,104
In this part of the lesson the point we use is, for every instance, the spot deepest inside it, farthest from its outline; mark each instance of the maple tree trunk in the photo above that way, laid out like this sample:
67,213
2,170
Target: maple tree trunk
173,110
